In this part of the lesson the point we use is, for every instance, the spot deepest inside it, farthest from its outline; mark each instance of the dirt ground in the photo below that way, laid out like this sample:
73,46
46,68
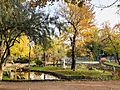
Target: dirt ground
61,85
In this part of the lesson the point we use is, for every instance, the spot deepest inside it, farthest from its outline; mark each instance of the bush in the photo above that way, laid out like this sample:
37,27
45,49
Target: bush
38,62
21,60
6,75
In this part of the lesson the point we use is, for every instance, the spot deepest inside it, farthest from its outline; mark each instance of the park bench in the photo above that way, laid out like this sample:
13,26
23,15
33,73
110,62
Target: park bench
114,66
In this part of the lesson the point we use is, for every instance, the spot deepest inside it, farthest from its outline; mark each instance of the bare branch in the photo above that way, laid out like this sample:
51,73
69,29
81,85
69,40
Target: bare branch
102,7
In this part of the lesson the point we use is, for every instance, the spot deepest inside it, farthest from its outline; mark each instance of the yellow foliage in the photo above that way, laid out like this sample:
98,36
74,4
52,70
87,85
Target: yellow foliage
83,20
81,16
21,47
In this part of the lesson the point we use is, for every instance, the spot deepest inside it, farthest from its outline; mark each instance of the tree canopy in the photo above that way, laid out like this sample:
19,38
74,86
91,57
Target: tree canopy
18,17
80,21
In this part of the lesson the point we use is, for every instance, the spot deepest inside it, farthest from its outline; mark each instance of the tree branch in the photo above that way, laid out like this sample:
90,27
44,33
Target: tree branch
105,6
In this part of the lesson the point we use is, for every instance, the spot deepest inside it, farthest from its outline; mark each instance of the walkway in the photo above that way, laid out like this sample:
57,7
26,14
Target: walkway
61,85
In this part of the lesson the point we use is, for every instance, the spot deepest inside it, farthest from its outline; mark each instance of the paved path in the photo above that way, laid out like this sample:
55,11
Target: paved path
61,85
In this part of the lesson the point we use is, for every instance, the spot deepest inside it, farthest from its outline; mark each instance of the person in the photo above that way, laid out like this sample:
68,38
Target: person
103,59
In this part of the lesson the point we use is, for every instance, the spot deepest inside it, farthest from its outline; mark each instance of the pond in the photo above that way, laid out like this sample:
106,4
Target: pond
33,76
41,76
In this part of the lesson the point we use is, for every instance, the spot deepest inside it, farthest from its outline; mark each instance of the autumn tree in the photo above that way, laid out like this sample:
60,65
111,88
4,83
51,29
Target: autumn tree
78,19
21,47
111,40
37,49
57,51
95,45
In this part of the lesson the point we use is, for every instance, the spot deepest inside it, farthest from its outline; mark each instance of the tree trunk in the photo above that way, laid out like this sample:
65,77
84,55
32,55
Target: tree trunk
73,58
117,58
1,72
29,62
73,50
44,58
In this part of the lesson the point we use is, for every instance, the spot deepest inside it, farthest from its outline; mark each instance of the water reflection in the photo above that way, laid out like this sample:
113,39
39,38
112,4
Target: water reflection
41,76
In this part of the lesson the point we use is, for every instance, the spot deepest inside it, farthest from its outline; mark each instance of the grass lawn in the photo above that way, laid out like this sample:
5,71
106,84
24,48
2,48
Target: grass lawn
46,68
68,72
95,73
112,64
5,78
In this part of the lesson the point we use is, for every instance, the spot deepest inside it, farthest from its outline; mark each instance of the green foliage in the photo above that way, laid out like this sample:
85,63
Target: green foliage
17,18
21,60
110,40
49,68
5,78
38,62
13,21
6,75
95,48
112,64
57,50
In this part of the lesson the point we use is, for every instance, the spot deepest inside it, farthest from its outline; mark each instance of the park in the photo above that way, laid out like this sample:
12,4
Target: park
59,43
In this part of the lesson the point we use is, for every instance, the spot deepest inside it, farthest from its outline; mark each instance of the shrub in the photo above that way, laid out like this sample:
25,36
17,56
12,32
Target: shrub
38,62
21,60
6,75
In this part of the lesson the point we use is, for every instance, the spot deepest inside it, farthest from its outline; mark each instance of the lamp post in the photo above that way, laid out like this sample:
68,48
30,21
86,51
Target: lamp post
31,43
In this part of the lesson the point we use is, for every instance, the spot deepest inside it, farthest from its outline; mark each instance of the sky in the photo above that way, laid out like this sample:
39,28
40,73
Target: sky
108,15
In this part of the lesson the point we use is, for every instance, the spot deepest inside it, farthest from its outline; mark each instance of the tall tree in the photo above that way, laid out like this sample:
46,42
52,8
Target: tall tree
95,45
111,40
78,19
13,21
18,17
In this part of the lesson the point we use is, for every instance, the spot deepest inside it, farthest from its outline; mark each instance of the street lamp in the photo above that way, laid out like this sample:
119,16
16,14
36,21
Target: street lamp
31,43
